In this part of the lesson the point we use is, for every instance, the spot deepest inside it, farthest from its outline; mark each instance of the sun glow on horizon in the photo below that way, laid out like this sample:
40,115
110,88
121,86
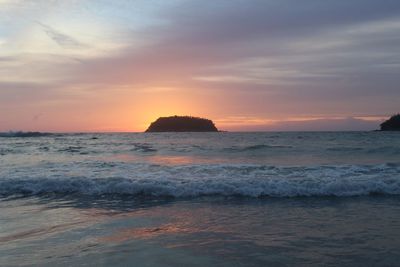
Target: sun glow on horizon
116,66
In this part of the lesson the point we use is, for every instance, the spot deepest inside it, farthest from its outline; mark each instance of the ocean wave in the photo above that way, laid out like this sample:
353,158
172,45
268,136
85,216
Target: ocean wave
385,149
71,149
344,149
143,148
256,147
24,134
223,179
5,151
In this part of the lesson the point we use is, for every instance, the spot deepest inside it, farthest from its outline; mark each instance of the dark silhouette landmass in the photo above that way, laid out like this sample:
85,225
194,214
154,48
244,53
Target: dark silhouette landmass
392,124
182,124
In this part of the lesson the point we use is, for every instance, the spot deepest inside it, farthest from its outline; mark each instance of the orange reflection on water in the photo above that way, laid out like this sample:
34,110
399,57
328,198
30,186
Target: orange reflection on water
165,159
179,222
148,232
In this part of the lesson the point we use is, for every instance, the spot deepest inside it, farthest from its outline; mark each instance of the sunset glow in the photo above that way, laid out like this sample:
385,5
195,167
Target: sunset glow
106,66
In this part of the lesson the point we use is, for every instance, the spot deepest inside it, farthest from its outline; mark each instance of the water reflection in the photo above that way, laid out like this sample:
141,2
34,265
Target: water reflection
146,233
166,159
40,232
250,232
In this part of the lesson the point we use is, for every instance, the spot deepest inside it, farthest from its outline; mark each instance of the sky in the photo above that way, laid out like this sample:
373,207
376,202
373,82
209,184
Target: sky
259,65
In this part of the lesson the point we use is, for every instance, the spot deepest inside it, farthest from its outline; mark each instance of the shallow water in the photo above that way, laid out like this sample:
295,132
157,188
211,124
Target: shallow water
200,199
213,231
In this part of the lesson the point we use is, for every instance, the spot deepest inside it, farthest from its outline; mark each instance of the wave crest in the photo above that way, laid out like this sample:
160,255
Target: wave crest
225,180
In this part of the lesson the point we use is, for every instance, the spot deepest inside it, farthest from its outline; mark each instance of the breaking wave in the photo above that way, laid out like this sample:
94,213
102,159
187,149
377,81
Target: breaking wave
222,179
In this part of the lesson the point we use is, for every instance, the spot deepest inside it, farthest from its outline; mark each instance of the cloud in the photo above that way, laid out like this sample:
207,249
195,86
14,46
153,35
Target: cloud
20,85
25,93
7,59
264,48
241,20
318,124
61,39
207,37
256,58
349,123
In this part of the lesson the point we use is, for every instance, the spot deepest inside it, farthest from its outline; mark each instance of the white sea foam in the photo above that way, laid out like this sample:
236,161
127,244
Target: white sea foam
197,180
194,164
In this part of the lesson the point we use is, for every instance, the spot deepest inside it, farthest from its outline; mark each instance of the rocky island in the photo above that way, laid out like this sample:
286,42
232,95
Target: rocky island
392,124
182,124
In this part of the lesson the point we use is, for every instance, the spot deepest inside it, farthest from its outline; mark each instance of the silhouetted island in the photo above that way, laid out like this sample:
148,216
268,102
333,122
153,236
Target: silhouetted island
182,124
392,124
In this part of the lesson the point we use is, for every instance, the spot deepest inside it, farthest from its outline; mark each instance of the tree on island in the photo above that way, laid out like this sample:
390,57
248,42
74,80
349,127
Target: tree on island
392,124
182,124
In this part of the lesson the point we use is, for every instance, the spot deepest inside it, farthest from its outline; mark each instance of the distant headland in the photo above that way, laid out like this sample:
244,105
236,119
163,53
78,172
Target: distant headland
392,124
182,124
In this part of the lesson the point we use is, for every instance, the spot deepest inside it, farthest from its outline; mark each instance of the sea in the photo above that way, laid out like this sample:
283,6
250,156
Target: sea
200,199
